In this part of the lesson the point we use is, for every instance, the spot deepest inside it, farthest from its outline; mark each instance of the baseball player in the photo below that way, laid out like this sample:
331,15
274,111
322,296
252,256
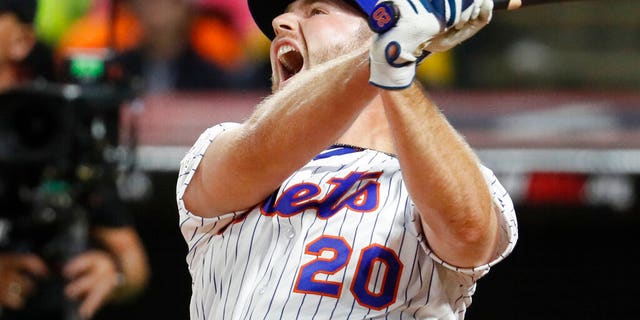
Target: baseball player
346,194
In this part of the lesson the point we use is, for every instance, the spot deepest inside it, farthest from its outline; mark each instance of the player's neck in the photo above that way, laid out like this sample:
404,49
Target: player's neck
370,130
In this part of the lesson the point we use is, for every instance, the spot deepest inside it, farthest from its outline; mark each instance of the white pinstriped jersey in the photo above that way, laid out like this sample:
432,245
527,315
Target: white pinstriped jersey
340,239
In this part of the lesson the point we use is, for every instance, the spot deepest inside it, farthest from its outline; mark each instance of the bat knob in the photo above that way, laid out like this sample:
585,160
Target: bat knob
384,16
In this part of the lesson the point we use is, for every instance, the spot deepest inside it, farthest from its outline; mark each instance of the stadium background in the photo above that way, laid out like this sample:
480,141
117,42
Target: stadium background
549,96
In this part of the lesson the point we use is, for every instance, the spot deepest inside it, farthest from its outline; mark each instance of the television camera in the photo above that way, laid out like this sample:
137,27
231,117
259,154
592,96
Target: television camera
59,143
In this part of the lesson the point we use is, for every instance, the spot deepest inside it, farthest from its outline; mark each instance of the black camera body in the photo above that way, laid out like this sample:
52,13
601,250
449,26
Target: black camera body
57,143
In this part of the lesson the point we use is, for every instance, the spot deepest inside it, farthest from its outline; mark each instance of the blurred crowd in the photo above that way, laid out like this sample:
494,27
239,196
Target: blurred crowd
164,44
214,44
168,44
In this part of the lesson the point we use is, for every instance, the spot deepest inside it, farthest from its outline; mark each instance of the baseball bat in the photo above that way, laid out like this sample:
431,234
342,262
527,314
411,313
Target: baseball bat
384,15
516,4
368,5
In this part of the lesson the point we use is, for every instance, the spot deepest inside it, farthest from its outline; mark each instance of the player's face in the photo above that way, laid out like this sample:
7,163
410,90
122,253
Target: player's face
312,32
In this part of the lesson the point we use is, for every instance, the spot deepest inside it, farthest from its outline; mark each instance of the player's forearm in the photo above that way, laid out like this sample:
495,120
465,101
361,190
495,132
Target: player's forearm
443,177
284,133
312,112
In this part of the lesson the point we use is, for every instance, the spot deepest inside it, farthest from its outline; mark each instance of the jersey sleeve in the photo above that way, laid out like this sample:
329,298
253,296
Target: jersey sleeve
193,227
506,221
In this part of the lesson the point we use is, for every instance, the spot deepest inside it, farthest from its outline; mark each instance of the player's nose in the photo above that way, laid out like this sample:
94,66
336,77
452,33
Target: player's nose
286,22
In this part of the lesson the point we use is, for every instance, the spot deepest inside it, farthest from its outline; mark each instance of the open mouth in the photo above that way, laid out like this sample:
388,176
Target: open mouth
291,61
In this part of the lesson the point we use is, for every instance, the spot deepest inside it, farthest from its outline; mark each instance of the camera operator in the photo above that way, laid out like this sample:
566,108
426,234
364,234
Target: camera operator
112,267
17,38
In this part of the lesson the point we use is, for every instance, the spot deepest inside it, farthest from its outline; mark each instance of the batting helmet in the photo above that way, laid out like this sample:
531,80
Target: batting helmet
264,11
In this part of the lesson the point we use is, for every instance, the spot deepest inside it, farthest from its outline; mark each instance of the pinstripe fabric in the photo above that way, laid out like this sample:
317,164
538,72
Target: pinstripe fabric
340,239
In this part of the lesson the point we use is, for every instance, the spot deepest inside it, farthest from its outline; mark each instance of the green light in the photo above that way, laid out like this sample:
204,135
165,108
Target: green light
87,68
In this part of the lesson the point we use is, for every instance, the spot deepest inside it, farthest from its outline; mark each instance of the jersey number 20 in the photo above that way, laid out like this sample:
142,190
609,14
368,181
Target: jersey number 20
364,275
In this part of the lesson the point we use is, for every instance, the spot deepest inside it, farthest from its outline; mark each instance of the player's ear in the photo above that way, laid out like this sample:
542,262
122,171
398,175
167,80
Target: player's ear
21,42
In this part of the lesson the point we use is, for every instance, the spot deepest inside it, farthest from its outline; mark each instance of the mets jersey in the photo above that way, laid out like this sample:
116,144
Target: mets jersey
339,239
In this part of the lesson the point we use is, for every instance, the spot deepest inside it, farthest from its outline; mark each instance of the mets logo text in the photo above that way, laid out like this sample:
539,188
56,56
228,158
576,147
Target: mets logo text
358,191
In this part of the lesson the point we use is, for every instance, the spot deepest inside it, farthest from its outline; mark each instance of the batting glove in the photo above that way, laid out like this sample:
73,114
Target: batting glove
474,18
404,29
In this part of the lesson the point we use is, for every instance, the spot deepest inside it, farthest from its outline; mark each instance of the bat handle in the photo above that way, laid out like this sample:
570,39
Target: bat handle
516,4
385,15
506,4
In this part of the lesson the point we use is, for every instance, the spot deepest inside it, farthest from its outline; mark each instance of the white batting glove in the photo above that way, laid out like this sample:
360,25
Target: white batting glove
474,18
409,30
458,14
399,46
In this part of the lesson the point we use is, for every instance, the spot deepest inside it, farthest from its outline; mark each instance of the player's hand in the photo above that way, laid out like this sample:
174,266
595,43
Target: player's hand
404,29
455,13
474,18
18,273
93,277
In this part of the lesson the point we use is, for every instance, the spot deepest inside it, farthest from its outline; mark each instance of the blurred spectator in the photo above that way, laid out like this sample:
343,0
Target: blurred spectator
165,57
169,44
113,267
96,30
237,13
16,40
23,55
255,64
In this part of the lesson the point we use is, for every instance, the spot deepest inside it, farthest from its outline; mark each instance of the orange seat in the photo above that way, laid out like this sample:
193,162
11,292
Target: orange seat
216,41
94,31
